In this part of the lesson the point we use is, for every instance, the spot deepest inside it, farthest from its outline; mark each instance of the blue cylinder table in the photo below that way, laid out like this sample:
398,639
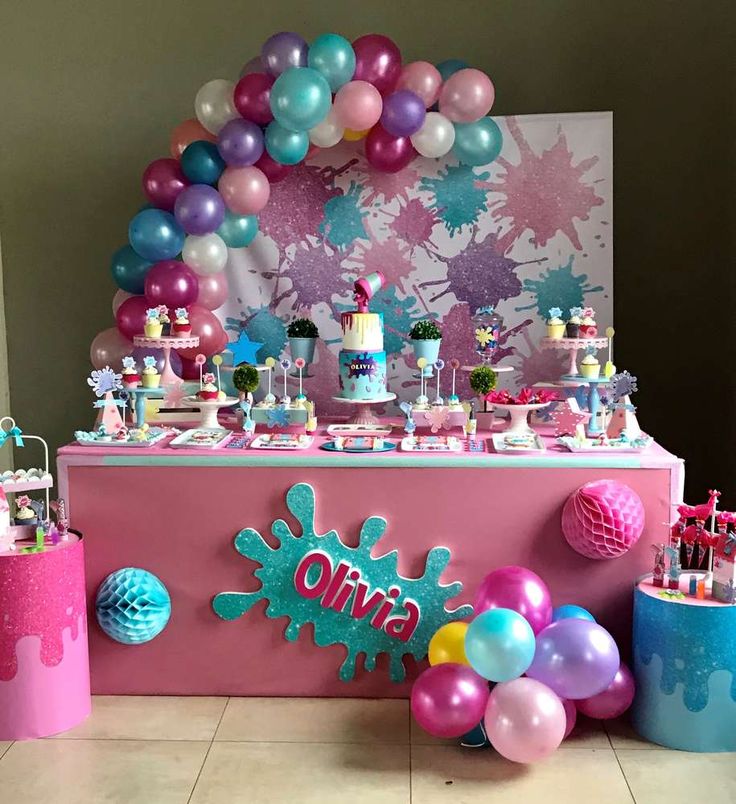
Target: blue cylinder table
685,669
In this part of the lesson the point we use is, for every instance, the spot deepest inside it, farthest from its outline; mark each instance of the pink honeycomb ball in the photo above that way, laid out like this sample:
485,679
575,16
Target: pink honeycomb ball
603,519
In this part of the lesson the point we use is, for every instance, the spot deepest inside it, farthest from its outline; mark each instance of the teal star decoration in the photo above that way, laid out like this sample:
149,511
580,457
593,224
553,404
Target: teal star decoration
244,349
278,417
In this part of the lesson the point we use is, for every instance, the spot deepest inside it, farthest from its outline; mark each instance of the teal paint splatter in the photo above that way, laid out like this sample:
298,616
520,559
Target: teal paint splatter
333,627
457,199
343,219
558,287
262,327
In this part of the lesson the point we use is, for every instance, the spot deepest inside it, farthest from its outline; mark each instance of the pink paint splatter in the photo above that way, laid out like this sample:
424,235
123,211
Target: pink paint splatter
414,223
391,256
543,193
538,365
384,187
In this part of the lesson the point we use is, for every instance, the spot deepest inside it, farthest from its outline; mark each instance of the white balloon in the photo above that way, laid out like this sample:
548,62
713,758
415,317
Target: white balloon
205,254
214,104
327,133
436,137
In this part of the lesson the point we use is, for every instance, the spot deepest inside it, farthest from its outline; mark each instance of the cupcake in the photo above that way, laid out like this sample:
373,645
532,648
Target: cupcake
209,389
588,327
163,314
555,324
572,329
25,515
181,328
153,327
131,377
590,368
151,377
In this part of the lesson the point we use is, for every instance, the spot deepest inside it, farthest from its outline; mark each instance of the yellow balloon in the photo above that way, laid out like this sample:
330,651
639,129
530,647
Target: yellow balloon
448,645
354,136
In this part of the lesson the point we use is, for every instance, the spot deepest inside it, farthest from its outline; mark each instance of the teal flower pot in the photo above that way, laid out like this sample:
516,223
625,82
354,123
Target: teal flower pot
302,347
429,350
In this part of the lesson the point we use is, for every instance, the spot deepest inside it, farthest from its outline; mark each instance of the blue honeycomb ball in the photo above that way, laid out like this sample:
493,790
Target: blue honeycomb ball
133,606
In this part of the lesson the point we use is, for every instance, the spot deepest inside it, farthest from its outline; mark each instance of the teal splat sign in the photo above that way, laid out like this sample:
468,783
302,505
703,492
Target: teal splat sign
351,597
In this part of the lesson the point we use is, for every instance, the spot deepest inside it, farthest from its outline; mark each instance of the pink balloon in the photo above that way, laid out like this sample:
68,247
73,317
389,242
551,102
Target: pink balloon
519,589
172,283
357,105
131,316
466,96
108,348
273,170
423,79
388,153
245,190
525,721
206,325
119,297
378,61
571,715
189,369
213,290
163,180
448,700
614,700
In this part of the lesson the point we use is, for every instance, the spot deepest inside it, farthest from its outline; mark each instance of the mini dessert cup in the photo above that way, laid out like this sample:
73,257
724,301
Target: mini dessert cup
181,330
556,331
151,380
152,329
590,368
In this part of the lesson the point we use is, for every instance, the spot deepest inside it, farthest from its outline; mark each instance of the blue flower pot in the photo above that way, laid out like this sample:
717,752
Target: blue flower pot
429,350
302,347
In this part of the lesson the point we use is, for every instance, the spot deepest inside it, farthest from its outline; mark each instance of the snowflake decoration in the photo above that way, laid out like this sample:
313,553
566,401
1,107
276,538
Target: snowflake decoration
104,381
181,312
555,312
278,417
484,335
129,362
149,361
438,418
622,384
153,314
341,625
576,312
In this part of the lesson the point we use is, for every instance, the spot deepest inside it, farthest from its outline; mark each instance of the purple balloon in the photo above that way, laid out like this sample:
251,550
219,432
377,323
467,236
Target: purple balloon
240,142
284,50
519,589
575,658
403,113
172,283
448,700
199,209
143,351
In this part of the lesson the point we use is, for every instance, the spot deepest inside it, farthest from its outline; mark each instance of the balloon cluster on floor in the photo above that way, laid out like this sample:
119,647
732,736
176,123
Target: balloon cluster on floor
294,97
546,664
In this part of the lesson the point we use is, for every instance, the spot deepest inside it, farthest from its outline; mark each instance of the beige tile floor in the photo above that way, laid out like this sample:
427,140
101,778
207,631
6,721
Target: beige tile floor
299,751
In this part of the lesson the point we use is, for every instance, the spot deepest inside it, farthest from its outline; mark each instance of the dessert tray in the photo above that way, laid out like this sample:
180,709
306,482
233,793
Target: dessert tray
602,444
362,444
347,429
282,441
509,443
431,443
135,438
201,438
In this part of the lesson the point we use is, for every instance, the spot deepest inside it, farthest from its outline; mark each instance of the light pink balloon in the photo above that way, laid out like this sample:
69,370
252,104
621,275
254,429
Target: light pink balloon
525,721
357,105
423,79
109,348
245,190
119,297
213,290
466,96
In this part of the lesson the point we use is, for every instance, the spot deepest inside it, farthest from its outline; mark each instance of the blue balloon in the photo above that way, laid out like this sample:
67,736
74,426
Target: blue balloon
499,644
450,67
129,270
300,98
201,162
332,56
238,231
284,146
569,611
477,143
132,606
155,235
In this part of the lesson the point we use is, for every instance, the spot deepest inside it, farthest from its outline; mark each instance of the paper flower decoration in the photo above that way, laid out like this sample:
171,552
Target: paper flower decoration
163,310
589,312
278,417
132,606
526,396
209,377
484,335
576,311
555,312
181,312
152,314
438,418
104,380
23,501
149,361
129,362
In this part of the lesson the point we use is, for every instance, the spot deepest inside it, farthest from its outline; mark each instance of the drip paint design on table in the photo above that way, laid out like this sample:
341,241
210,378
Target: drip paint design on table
349,596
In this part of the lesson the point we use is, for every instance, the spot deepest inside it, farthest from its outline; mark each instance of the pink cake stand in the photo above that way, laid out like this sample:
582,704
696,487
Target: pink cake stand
573,345
167,343
363,414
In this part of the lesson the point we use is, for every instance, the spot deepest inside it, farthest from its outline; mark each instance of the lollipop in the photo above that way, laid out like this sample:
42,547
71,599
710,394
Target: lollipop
269,362
300,363
422,398
285,365
439,364
200,360
454,365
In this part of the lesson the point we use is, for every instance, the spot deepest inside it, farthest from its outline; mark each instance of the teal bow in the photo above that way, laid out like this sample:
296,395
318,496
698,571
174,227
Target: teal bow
14,432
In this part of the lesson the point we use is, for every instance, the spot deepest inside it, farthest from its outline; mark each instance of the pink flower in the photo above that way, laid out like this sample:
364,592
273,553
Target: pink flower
23,501
209,377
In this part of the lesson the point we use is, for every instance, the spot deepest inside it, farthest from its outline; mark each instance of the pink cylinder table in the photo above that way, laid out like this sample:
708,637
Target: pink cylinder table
44,660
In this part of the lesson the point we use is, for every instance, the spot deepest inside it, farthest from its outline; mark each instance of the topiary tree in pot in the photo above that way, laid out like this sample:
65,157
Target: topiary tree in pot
302,334
426,337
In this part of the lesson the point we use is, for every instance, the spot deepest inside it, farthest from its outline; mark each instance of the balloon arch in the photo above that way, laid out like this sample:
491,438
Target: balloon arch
294,98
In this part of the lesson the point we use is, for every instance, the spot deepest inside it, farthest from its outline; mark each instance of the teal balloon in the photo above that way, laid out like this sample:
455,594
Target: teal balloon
300,98
155,235
450,67
499,644
201,162
284,146
477,143
238,231
569,611
334,58
129,270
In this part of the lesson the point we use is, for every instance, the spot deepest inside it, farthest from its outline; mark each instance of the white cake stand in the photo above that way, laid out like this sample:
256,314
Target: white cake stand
363,414
518,416
167,343
209,409
573,345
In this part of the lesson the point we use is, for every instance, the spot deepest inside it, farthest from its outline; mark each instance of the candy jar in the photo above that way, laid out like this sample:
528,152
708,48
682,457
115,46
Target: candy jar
487,324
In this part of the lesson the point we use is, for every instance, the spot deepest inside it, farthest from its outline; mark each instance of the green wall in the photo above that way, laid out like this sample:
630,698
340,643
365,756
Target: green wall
90,91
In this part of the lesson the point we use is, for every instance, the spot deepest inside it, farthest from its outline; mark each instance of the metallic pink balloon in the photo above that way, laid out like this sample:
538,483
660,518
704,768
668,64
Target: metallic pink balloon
357,105
245,190
571,713
387,153
466,96
614,700
378,61
273,170
423,79
108,349
206,325
163,180
519,589
525,721
131,316
448,700
213,290
172,283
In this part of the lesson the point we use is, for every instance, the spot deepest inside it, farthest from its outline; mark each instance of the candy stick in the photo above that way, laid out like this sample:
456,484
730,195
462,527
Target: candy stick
285,365
217,361
270,362
300,363
200,360
439,365
421,363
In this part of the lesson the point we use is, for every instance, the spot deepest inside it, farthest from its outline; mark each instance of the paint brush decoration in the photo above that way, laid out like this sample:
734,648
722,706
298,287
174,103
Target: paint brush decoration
609,369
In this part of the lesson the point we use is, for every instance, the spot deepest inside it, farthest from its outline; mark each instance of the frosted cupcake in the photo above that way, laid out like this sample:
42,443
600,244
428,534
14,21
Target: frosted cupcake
209,389
590,368
151,377
588,327
572,329
555,324
131,378
153,326
25,515
181,328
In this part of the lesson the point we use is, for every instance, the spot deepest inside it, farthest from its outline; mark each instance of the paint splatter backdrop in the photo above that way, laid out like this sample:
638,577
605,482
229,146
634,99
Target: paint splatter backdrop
531,231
